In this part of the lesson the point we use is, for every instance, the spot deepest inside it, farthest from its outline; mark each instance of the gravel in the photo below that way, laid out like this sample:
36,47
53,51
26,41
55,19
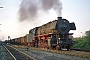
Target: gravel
42,55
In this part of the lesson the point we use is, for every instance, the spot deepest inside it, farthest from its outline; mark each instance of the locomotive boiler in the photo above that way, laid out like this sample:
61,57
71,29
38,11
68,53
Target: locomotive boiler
54,34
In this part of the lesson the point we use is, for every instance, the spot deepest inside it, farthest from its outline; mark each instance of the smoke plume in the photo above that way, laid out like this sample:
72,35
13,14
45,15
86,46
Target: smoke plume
29,8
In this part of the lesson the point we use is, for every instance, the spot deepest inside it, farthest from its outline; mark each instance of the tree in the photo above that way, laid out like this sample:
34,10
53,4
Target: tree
83,43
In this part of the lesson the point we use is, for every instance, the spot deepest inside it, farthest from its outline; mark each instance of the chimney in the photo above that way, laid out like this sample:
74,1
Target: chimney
59,18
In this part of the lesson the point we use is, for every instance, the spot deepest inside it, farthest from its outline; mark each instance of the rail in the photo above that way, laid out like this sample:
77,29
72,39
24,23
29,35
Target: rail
23,53
86,50
10,53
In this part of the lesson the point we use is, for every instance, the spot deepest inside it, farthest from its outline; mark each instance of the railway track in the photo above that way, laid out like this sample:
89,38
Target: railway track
86,50
4,55
72,52
16,54
54,54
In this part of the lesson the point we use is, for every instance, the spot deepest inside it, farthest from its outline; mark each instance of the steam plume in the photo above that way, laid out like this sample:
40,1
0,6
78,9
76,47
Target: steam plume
52,4
29,8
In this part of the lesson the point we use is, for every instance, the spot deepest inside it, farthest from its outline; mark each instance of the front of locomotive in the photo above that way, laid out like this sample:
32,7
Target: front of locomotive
63,27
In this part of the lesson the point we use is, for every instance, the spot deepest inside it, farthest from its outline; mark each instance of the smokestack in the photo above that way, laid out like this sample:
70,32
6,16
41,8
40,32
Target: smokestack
59,18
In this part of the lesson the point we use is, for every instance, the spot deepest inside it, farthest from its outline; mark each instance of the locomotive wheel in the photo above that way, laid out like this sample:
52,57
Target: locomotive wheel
68,48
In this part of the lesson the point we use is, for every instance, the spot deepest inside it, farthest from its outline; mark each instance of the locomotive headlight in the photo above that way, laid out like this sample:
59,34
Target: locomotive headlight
58,38
64,21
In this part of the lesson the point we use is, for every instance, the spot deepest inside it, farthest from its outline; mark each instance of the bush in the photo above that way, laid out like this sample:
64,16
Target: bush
83,43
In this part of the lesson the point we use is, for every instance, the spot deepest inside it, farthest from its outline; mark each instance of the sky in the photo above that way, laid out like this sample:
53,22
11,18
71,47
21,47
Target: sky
77,11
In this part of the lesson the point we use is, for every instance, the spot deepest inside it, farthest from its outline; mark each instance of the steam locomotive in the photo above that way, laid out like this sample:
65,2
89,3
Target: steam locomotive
52,35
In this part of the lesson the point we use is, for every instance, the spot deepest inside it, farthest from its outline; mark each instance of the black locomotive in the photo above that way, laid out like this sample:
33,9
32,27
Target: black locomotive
54,34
